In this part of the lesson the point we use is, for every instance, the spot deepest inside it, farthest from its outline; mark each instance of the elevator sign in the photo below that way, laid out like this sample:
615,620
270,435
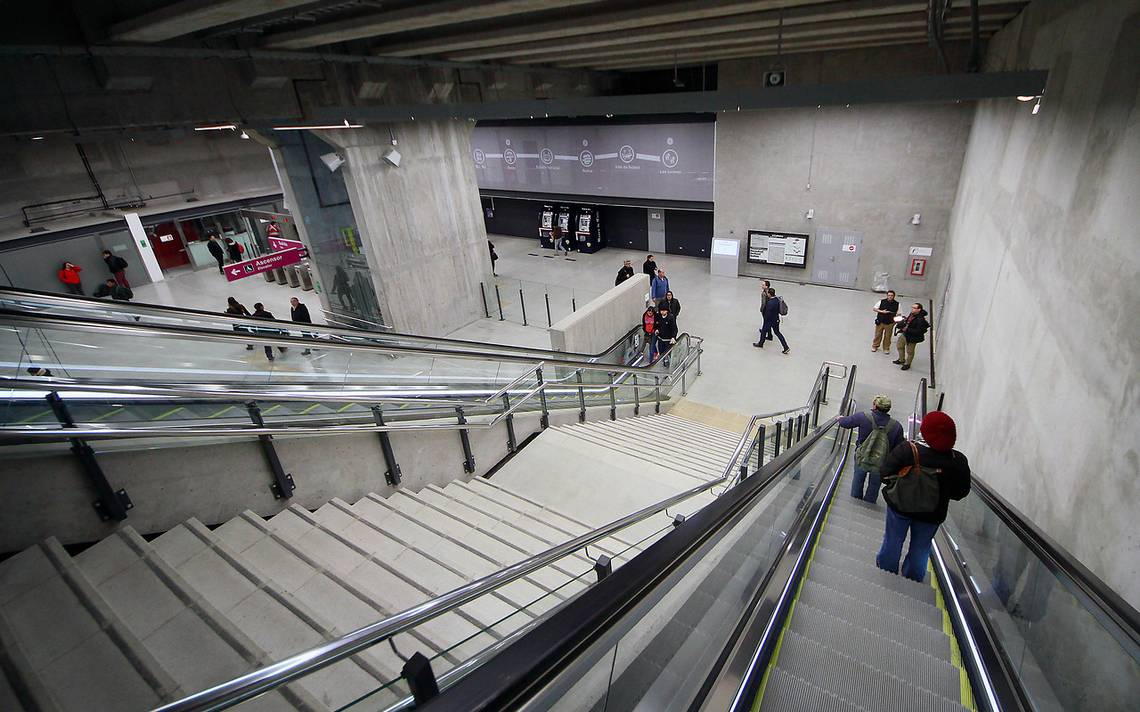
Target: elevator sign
259,265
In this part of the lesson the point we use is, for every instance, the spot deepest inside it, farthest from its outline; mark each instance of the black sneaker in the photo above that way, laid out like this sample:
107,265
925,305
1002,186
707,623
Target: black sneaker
896,361
905,368
787,350
759,344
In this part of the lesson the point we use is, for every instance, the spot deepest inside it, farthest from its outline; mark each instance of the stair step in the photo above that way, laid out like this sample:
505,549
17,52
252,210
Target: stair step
667,436
877,617
566,523
785,692
66,644
866,686
685,467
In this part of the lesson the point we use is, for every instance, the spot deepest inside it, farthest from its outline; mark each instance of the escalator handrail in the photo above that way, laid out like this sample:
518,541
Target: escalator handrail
271,676
53,321
1118,617
227,320
502,680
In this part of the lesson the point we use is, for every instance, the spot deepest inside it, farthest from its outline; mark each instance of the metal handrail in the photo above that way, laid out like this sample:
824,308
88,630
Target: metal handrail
228,320
309,661
337,316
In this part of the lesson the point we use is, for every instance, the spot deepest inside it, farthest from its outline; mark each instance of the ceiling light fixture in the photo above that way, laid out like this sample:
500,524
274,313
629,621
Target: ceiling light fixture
217,127
37,138
1037,106
1026,98
320,127
244,135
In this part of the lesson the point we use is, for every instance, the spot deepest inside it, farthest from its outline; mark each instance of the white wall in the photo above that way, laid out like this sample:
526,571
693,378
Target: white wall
1039,337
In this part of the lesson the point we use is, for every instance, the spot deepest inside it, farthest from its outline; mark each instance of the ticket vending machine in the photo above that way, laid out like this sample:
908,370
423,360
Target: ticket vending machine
563,222
588,232
546,227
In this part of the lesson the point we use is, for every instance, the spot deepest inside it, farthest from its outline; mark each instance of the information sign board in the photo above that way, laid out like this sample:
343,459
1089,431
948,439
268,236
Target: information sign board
777,248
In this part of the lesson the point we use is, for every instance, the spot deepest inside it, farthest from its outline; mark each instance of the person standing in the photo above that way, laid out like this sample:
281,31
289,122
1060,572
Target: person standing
771,311
260,313
659,286
236,308
299,313
935,461
879,434
69,275
118,268
671,301
649,267
665,333
341,288
911,331
494,257
233,250
884,322
624,273
218,252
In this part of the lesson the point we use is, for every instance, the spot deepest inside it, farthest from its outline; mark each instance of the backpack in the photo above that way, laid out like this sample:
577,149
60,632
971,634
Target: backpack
915,489
871,452
783,306
647,321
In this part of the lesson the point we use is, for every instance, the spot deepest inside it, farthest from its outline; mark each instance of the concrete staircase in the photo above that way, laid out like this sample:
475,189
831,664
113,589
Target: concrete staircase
129,624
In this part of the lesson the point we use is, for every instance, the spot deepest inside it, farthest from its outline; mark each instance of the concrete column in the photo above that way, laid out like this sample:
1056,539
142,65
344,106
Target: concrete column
422,221
143,247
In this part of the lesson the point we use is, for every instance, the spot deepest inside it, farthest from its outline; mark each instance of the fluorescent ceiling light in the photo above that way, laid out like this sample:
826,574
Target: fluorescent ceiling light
345,125
217,127
1027,98
37,138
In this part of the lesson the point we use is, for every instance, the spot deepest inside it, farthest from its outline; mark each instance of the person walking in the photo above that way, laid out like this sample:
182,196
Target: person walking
885,312
879,434
772,309
236,308
341,287
911,331
649,267
218,252
765,285
672,303
494,257
260,313
921,480
233,250
624,273
118,268
659,286
665,333
69,275
299,313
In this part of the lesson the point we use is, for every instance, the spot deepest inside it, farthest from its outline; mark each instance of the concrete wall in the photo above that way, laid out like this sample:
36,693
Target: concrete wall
201,165
422,222
863,168
1039,339
605,319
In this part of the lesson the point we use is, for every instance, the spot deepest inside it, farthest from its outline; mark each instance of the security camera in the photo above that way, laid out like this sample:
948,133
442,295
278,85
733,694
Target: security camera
332,161
392,156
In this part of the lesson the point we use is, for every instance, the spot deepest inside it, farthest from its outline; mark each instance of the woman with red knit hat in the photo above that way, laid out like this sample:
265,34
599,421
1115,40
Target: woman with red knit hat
946,475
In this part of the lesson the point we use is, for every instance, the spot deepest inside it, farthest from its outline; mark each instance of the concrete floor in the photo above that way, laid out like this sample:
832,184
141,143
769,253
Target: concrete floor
824,323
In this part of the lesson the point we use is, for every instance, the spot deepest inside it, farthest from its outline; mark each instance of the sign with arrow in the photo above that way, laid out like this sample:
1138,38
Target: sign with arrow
278,244
259,265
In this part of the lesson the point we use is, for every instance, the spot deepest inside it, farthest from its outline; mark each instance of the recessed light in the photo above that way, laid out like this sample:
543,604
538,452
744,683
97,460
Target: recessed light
37,138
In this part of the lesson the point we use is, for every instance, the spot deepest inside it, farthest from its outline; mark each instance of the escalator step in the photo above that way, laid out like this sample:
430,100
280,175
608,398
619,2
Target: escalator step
866,570
785,692
871,593
866,686
810,621
876,616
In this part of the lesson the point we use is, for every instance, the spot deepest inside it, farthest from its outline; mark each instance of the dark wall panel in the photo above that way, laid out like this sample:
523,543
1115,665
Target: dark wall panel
519,218
626,228
688,232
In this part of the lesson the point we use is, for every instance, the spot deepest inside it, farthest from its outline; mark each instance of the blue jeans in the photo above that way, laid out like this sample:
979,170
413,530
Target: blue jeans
921,533
872,494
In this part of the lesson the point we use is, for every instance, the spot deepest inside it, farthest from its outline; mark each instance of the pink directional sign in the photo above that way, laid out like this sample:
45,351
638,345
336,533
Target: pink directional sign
281,243
248,268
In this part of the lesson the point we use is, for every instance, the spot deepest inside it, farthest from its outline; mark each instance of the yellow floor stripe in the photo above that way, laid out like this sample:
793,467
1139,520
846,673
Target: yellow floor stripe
313,406
227,409
169,413
270,409
344,407
34,417
108,414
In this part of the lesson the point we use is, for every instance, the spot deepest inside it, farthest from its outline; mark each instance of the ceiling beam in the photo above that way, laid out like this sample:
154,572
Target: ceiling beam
417,17
896,90
770,50
657,13
189,16
841,29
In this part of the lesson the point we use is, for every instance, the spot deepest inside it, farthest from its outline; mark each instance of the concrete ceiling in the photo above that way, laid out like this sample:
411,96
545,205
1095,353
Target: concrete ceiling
597,34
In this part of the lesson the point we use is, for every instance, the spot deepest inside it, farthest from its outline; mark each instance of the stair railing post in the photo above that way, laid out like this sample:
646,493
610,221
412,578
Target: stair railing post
815,411
483,291
465,441
581,397
760,450
392,476
283,486
544,419
789,434
499,301
522,303
111,503
512,444
657,394
548,321
776,450
636,397
613,396
826,378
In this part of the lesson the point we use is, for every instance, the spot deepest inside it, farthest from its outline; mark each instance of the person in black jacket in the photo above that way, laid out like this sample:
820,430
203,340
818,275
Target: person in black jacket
494,257
260,313
771,312
214,245
664,333
649,267
236,308
300,314
671,301
233,250
885,312
115,291
939,432
624,273
911,331
118,268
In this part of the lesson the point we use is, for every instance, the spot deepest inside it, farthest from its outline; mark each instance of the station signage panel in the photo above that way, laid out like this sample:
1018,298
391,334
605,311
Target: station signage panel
778,248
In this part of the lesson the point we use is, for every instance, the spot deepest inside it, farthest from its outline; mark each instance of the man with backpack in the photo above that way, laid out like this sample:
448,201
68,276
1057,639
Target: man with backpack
879,434
772,310
921,479
118,268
